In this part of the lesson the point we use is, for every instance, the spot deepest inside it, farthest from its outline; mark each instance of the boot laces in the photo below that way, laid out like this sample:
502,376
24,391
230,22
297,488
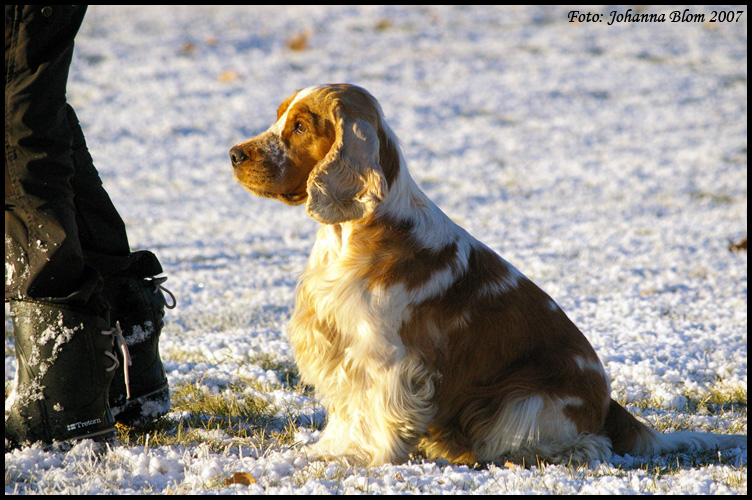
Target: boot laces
157,284
120,344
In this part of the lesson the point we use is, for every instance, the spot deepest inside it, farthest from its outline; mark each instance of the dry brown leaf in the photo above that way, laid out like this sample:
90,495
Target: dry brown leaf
300,41
241,478
188,48
383,24
228,76
738,246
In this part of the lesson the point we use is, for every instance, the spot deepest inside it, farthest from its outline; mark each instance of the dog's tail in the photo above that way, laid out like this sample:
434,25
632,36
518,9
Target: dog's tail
629,435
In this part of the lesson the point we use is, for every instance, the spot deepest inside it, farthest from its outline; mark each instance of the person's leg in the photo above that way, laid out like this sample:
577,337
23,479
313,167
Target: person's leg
138,306
130,287
95,239
64,345
46,260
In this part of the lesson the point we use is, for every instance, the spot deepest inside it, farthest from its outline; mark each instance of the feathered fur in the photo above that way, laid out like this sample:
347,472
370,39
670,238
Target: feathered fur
414,334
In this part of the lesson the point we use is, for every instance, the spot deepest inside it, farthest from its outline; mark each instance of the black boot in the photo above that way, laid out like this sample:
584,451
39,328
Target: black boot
66,361
138,306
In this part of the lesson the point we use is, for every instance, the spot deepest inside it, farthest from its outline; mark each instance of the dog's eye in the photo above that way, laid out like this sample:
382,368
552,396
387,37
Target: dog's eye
299,128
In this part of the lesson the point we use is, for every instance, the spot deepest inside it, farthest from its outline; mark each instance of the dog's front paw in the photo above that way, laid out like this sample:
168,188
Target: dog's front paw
316,452
320,451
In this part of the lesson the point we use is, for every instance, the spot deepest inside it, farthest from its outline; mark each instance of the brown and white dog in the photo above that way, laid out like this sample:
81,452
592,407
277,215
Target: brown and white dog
415,335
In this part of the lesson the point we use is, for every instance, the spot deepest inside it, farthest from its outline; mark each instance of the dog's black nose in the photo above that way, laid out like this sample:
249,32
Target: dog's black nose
237,156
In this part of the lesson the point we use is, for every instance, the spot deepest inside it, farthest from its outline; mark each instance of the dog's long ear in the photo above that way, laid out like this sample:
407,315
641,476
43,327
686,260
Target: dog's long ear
348,183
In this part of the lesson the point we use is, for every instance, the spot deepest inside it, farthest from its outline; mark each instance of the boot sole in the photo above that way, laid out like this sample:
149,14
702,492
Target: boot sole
144,409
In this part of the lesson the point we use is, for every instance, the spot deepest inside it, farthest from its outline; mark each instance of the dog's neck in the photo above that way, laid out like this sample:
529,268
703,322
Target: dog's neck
404,205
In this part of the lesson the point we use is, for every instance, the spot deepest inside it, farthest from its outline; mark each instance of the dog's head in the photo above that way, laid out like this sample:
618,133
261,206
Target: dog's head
328,148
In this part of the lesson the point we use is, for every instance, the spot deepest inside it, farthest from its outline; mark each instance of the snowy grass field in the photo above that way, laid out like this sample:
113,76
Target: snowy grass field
607,162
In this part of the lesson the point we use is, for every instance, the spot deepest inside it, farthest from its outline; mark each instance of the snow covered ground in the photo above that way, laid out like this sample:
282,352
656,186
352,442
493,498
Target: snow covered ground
607,162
